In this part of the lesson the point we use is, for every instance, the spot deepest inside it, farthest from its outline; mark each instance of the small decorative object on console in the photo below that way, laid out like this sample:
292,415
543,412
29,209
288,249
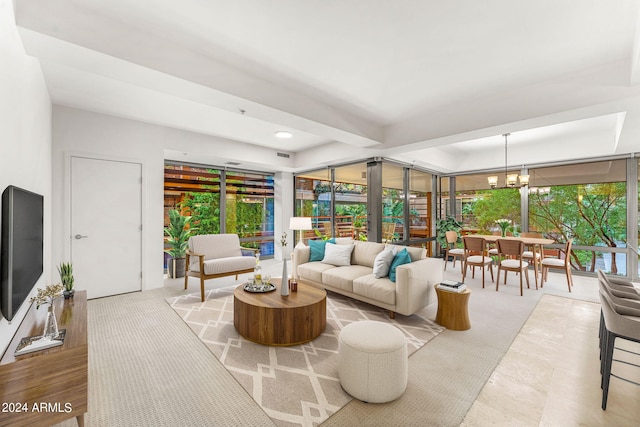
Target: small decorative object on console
51,336
254,287
451,286
284,288
257,270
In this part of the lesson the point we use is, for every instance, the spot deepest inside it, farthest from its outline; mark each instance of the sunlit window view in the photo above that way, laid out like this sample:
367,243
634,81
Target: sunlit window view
248,202
336,200
584,202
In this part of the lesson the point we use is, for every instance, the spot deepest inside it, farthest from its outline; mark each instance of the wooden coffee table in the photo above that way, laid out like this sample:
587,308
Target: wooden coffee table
271,319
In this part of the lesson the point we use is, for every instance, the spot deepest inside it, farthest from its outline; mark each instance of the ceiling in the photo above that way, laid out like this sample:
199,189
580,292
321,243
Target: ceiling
434,84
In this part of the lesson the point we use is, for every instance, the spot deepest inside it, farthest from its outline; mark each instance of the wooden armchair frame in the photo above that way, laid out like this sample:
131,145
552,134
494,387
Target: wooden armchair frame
203,276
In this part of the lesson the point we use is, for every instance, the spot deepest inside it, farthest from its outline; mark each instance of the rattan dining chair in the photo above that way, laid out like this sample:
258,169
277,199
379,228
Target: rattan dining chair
452,251
510,253
559,263
475,255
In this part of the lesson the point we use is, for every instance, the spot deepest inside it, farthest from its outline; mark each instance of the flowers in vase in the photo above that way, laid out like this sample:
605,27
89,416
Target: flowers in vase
503,223
47,295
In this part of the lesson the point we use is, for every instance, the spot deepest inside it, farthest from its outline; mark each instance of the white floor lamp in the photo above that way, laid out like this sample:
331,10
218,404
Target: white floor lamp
300,223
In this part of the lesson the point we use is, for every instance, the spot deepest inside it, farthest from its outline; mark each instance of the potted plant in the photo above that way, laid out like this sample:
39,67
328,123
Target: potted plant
65,270
450,223
178,234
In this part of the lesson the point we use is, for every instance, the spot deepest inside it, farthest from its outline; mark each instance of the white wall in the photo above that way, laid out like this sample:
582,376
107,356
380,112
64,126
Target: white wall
80,131
25,137
101,136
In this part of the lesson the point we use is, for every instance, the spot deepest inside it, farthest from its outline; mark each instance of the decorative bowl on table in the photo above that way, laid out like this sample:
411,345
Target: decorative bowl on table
259,287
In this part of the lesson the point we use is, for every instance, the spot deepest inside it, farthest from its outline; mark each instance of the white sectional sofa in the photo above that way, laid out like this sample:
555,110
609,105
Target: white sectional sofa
412,290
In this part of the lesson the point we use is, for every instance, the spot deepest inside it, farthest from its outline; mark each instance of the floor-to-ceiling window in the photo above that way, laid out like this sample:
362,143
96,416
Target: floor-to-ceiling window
588,203
478,206
338,201
313,199
249,209
350,202
248,202
393,202
420,202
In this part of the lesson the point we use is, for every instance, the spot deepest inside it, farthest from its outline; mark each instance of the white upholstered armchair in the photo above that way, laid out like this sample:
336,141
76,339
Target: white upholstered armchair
216,255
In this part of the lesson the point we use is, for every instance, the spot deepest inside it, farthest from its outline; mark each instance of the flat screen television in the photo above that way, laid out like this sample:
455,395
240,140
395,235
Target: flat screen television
22,247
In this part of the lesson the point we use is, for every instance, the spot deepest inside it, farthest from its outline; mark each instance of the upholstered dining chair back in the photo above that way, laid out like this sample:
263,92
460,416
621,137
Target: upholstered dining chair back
619,287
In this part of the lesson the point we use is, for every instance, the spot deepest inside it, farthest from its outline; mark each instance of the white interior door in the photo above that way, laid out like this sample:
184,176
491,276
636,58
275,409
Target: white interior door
106,225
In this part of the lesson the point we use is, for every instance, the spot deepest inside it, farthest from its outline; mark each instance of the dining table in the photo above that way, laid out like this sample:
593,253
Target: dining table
534,242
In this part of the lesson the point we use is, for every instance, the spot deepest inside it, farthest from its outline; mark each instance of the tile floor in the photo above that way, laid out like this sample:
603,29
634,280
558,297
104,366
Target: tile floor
550,375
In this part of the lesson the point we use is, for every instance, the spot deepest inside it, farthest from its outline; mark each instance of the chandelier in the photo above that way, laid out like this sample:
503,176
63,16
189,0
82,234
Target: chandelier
511,180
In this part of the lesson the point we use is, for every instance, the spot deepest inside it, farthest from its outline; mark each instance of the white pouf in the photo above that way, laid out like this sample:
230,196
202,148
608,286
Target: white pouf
372,361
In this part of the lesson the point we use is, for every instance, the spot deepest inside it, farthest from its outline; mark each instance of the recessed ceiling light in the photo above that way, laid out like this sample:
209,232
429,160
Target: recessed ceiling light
283,134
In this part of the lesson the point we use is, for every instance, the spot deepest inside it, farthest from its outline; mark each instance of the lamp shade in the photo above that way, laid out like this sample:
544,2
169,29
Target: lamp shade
300,223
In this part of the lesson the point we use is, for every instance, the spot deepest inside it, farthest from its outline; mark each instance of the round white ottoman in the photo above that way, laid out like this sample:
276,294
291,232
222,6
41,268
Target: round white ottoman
372,361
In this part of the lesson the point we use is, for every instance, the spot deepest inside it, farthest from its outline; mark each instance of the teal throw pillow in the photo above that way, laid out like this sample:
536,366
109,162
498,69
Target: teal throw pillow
401,257
317,249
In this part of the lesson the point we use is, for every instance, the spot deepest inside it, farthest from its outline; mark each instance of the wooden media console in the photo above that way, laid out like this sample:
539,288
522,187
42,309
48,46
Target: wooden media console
47,386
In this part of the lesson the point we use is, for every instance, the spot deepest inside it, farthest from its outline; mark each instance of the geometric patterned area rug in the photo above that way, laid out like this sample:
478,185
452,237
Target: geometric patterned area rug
296,385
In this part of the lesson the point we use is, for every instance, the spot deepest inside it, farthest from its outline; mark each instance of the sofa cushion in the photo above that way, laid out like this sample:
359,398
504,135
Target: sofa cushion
215,245
382,289
415,253
364,253
337,255
382,263
317,249
343,277
400,258
226,265
313,270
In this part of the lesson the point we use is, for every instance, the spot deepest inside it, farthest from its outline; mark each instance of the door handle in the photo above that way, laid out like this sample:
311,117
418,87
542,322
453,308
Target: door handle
80,236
